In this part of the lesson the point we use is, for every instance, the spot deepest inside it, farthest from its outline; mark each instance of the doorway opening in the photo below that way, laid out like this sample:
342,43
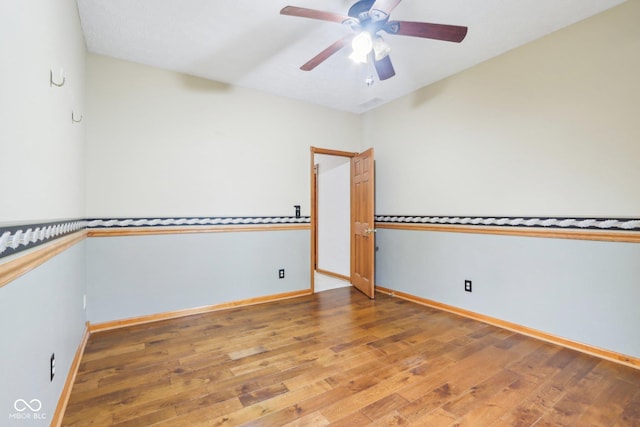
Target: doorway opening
333,218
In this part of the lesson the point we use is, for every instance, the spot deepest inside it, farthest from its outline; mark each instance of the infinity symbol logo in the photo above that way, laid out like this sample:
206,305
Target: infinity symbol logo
22,405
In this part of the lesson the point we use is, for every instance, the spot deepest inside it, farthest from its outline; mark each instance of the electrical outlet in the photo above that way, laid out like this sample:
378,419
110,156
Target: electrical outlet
281,273
52,366
467,285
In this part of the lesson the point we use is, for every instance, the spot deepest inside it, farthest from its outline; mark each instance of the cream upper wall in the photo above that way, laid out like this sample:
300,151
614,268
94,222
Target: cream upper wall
41,150
161,144
550,128
547,129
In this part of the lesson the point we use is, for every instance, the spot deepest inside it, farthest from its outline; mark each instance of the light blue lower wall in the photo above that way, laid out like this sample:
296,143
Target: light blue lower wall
41,313
586,291
130,276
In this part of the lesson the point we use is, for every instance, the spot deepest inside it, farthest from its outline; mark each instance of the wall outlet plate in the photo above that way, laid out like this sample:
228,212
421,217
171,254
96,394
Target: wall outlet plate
467,285
281,273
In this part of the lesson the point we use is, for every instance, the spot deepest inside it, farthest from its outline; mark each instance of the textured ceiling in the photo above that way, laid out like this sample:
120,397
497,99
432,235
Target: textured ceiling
248,43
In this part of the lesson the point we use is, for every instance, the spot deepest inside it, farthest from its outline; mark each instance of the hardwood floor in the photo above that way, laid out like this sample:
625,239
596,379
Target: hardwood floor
339,358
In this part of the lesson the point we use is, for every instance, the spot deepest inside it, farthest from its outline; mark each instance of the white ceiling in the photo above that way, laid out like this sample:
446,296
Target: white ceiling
248,43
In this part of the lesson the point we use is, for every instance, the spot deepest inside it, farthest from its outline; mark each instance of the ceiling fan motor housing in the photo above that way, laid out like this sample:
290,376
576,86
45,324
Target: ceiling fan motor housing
360,9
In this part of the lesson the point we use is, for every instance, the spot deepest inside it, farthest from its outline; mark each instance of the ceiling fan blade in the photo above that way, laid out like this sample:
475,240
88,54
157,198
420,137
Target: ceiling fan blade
384,68
325,54
381,9
314,14
450,33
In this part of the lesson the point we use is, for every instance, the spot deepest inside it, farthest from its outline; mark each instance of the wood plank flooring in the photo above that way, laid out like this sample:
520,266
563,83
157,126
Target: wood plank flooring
338,358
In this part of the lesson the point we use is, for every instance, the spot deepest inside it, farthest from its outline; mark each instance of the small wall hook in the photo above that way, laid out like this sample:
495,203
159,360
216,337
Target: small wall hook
52,83
73,118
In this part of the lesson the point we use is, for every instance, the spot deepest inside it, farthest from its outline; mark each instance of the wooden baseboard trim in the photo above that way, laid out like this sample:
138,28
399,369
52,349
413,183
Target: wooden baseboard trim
71,378
27,261
332,274
140,320
612,356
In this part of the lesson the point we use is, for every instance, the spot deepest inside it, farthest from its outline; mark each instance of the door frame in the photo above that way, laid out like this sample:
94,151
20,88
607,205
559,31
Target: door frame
314,202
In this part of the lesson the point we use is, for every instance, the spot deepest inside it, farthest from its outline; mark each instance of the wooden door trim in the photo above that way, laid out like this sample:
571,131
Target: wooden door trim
314,198
314,213
331,152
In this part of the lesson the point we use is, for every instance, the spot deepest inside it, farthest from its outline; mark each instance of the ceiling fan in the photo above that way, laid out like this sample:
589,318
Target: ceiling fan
367,18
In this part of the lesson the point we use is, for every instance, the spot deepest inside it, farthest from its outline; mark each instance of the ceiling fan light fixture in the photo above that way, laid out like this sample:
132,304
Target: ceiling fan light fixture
357,58
381,48
362,44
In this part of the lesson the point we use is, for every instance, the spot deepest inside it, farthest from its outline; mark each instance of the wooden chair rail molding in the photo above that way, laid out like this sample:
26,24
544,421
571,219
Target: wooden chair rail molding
28,260
142,231
551,233
21,263
623,359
